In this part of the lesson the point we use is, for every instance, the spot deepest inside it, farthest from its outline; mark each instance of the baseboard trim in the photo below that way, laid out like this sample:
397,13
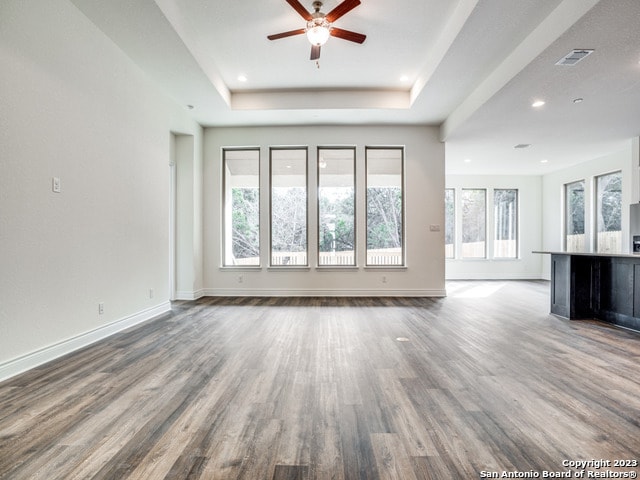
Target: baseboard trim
39,357
252,292
183,295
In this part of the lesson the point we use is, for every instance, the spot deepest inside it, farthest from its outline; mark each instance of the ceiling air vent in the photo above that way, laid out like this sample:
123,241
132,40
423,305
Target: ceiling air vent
522,145
573,57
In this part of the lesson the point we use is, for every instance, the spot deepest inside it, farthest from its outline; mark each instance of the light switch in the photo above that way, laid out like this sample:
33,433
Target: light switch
55,184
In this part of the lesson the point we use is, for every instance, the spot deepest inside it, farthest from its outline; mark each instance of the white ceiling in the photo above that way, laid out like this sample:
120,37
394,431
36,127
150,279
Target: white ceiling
474,67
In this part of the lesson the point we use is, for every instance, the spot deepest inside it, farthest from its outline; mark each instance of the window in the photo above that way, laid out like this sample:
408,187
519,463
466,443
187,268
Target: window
474,218
241,177
505,223
336,206
574,217
449,222
288,172
385,209
609,213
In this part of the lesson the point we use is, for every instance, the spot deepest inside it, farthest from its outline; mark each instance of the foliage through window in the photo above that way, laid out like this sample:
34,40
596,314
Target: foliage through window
385,229
574,217
609,213
449,222
505,223
241,207
288,171
474,219
336,206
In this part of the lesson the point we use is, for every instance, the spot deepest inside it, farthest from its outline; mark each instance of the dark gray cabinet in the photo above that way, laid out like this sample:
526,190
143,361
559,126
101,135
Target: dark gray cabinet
605,287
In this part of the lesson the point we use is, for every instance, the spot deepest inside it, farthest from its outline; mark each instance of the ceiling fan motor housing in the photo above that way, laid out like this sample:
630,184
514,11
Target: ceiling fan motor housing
318,27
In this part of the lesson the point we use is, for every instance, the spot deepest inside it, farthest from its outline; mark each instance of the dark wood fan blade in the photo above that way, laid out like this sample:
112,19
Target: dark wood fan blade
315,52
347,35
341,9
297,6
286,34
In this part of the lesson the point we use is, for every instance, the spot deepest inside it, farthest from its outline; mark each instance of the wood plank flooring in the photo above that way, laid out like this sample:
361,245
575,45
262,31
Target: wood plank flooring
484,380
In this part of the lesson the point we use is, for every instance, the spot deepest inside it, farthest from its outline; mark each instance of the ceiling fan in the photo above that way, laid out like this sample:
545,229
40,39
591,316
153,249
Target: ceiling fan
320,26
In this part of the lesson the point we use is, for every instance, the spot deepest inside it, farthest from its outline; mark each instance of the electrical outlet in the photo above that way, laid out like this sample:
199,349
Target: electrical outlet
55,184
151,293
384,279
100,308
434,228
240,279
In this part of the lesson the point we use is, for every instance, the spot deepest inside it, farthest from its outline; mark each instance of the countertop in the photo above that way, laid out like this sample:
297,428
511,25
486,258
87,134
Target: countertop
591,254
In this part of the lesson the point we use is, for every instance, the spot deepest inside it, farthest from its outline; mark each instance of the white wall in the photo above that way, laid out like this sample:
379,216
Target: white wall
424,173
188,199
73,106
553,202
528,265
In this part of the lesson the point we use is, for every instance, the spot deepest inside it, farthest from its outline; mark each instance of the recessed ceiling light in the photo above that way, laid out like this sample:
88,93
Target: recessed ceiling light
467,160
537,103
544,160
242,78
404,78
578,100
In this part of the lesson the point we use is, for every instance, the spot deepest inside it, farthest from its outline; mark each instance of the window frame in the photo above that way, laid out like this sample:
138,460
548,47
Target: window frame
486,224
516,229
225,218
567,216
306,186
403,261
453,223
596,210
355,207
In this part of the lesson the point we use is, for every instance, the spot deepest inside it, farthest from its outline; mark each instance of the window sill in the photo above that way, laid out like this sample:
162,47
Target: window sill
386,267
236,268
336,268
288,268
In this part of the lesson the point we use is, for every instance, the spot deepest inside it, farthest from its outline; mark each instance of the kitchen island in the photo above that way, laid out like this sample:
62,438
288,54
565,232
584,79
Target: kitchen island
596,285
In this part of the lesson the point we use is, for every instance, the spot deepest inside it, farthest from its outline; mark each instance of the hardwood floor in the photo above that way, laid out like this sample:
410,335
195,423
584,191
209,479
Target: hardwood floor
484,380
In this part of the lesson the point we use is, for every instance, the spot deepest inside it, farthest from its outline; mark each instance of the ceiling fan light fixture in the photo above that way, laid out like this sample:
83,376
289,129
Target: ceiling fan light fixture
318,31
